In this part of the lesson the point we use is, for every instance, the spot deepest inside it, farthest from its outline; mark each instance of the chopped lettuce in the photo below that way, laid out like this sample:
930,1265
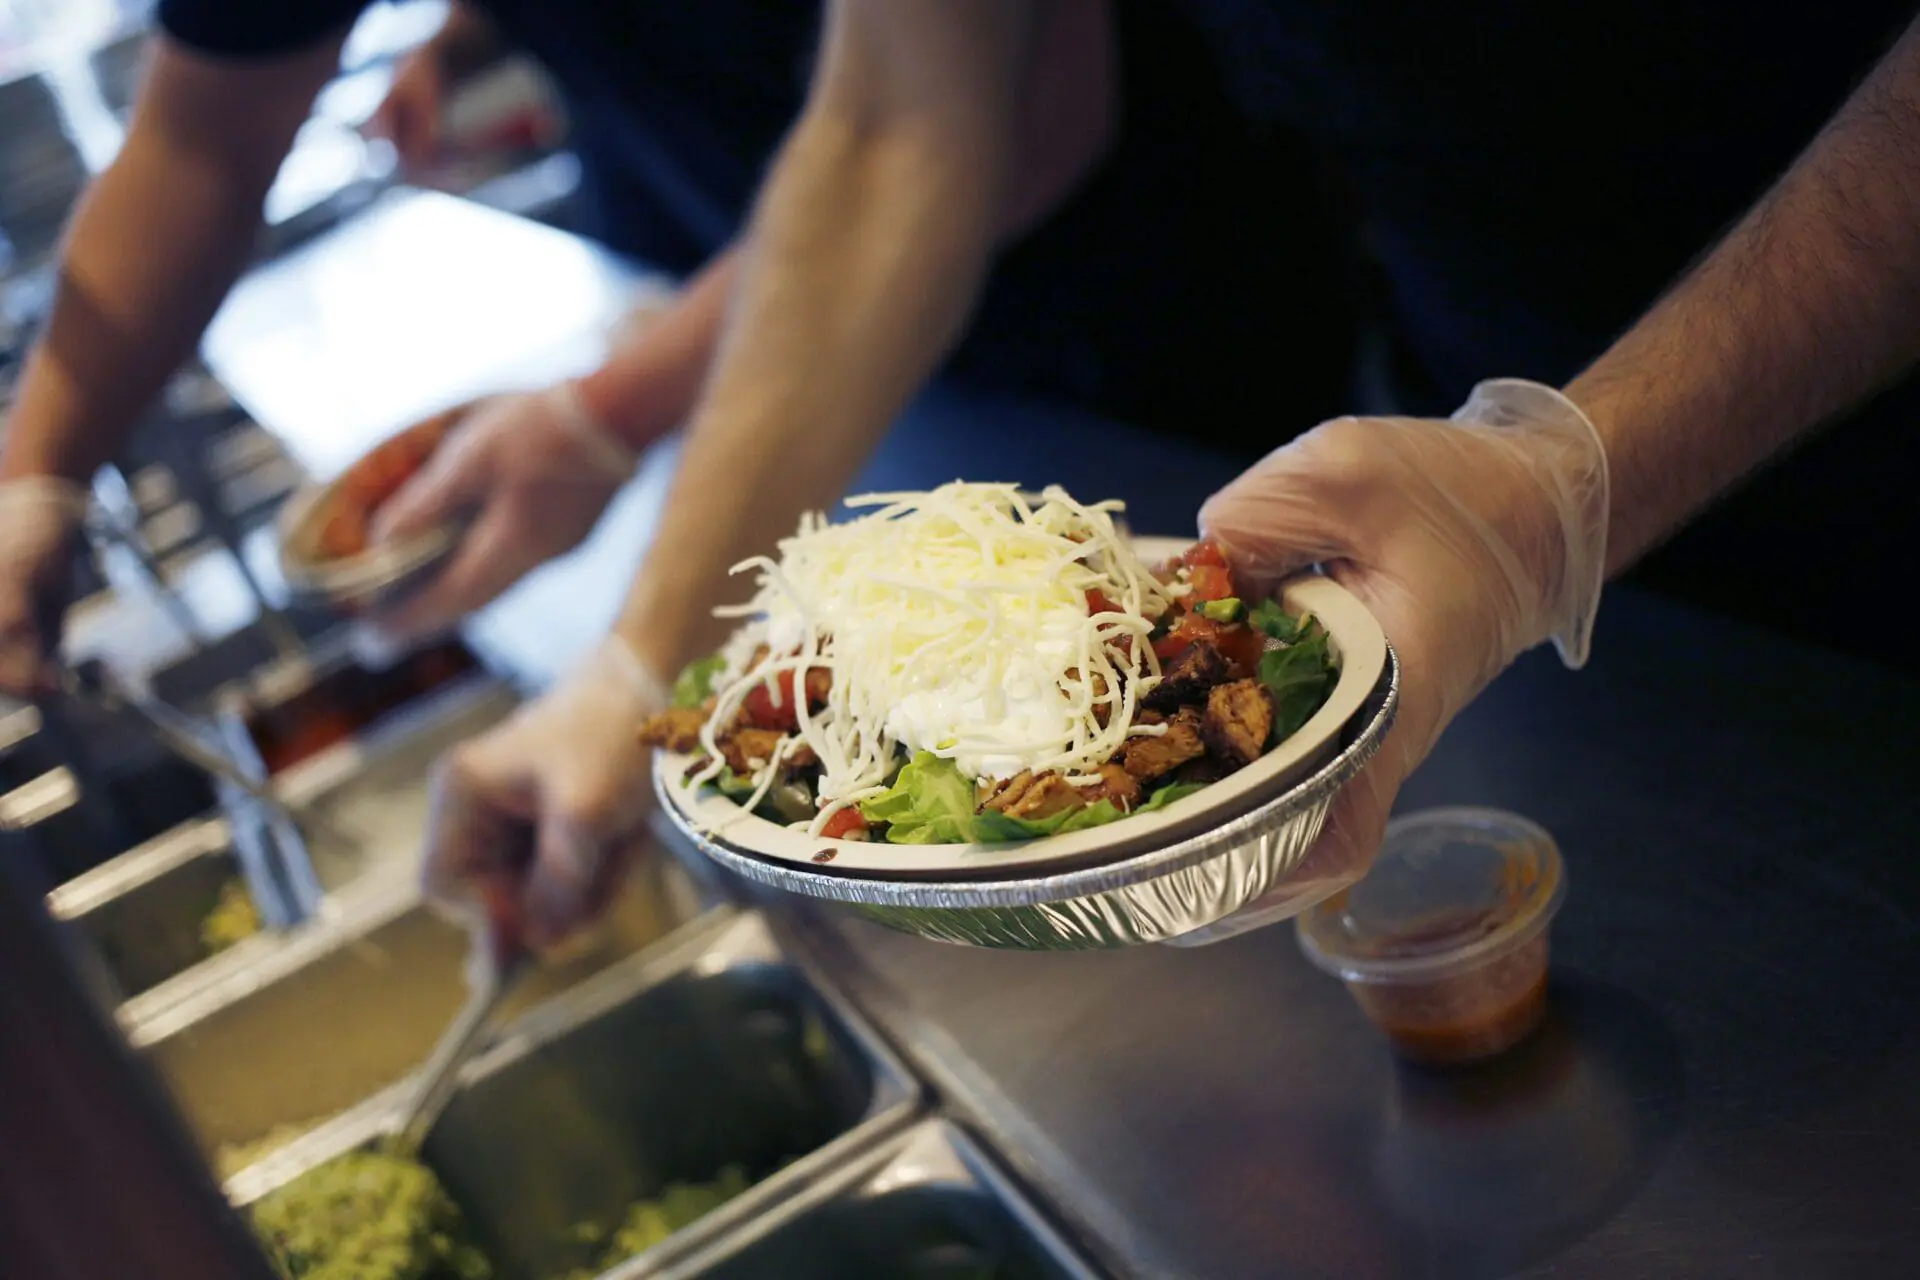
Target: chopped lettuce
1269,617
695,684
932,802
1299,676
1168,794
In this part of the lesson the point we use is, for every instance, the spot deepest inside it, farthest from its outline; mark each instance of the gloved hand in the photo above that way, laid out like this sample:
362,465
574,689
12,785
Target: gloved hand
538,473
409,116
39,526
532,823
1471,540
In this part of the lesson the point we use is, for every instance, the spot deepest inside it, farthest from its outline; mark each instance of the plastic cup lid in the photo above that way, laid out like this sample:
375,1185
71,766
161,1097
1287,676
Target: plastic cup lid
1451,890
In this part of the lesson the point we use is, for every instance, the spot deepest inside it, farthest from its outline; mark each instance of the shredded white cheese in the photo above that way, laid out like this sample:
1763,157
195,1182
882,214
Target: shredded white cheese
954,621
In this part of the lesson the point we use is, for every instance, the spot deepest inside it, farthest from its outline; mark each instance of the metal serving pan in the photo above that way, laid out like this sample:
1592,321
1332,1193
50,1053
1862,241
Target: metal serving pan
348,1004
931,1205
667,1069
142,912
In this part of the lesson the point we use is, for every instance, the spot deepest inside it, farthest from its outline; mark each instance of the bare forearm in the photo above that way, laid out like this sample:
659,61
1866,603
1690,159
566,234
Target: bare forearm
649,383
1810,304
154,246
936,128
126,315
862,265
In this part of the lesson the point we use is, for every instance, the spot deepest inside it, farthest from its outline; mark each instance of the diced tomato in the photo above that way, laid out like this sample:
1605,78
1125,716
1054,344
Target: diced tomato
1242,646
1190,627
847,824
1097,602
1209,582
762,712
1206,552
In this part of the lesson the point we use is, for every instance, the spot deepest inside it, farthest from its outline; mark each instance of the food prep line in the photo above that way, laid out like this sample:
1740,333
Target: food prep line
145,912
680,1024
706,1052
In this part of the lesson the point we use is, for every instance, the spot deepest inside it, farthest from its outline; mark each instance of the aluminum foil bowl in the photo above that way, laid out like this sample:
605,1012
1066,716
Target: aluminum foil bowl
1156,895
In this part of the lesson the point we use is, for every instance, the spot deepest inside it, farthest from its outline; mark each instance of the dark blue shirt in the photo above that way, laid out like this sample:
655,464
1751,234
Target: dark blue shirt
1534,172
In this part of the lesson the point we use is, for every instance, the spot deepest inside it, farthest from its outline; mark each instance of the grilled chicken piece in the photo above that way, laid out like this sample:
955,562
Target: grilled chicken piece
676,729
1115,784
1239,717
747,751
1030,795
1148,757
1188,677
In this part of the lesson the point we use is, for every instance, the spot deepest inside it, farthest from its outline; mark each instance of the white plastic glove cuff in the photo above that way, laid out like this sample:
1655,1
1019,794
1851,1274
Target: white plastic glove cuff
633,671
605,450
1583,499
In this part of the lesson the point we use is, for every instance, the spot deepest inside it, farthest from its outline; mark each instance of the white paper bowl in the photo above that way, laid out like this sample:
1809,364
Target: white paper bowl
377,576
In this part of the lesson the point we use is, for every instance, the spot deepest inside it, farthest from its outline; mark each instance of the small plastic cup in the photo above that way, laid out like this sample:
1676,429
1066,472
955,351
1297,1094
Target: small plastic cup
1444,943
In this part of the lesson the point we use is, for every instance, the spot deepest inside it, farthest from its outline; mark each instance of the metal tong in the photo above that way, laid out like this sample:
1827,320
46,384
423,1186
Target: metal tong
178,734
499,966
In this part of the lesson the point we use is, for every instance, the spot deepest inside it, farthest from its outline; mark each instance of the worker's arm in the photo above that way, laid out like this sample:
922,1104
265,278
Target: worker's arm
934,128
539,469
153,246
858,270
1811,303
466,44
650,381
1474,539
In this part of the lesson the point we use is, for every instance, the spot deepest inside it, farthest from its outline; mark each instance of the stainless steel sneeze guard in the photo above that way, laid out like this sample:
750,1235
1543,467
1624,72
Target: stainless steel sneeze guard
1141,897
667,1068
142,912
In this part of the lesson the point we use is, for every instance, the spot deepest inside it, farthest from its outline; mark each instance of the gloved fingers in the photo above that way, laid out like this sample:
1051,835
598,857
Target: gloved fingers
1349,838
589,816
570,882
40,518
610,459
1293,508
492,556
457,476
480,826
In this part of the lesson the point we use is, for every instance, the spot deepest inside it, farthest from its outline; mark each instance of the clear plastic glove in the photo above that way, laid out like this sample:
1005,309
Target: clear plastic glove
410,115
534,472
1471,540
533,823
40,520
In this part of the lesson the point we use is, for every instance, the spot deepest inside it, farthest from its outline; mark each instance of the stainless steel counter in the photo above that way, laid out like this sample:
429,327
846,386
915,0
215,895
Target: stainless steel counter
1725,1085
